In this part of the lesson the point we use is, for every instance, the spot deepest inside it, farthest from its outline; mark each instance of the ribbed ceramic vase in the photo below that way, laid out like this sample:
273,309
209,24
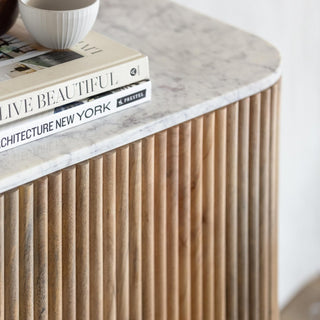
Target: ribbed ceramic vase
8,14
59,24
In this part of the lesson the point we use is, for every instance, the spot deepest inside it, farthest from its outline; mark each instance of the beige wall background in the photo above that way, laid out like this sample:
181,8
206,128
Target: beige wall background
293,26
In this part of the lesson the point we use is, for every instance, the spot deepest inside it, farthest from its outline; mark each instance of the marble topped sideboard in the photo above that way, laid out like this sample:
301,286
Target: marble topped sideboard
164,211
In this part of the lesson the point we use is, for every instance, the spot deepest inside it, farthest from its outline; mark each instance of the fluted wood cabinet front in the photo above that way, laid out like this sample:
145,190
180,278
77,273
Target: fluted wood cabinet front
180,225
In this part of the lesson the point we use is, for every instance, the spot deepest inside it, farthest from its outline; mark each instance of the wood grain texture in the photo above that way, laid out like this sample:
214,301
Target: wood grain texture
109,237
122,232
243,210
82,242
264,204
208,215
135,230
69,243
148,228
220,214
179,225
55,245
173,223
96,242
254,239
185,220
160,230
232,211
196,217
11,256
26,276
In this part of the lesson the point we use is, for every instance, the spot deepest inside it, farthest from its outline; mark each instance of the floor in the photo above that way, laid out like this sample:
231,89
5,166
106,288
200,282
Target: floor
306,305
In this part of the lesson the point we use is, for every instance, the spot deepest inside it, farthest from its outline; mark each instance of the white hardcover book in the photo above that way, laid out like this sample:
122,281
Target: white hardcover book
62,118
34,80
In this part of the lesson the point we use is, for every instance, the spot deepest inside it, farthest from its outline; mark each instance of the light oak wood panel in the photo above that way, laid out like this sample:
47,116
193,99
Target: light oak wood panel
26,276
96,242
82,242
179,225
208,215
135,230
109,237
173,224
232,212
11,255
243,210
196,217
254,239
69,243
160,222
220,214
185,220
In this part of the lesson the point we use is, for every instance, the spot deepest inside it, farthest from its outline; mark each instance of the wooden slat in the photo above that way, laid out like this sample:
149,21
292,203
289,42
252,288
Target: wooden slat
82,242
232,211
173,223
41,249
148,228
196,217
26,252
96,241
264,204
160,234
254,151
243,210
123,233
69,243
208,216
55,246
135,230
185,220
220,215
274,121
1,257
109,237
11,254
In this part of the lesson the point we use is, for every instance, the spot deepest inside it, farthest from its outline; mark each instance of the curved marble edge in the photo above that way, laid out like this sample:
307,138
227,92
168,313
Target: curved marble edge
173,102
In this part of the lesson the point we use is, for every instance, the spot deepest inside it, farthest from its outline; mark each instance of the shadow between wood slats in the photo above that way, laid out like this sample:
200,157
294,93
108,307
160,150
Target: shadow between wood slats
243,210
109,237
55,245
135,230
232,211
185,220
160,225
122,232
254,151
1,257
220,214
173,223
26,252
69,243
264,204
96,240
41,249
196,217
148,228
82,242
11,254
274,122
208,216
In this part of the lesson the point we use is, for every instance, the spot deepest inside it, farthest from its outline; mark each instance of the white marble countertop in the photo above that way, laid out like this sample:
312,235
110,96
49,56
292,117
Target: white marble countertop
197,65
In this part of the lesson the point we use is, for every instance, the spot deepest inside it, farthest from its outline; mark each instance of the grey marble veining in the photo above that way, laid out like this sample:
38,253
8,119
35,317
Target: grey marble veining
197,65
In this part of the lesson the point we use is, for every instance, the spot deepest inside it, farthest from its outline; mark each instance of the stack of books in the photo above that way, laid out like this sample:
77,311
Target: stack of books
43,92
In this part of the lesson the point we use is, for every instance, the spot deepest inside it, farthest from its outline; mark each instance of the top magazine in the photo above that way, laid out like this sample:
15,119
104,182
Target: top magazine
34,79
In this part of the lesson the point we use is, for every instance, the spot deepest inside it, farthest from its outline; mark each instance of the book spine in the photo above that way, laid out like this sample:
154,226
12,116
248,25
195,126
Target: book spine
78,88
46,124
